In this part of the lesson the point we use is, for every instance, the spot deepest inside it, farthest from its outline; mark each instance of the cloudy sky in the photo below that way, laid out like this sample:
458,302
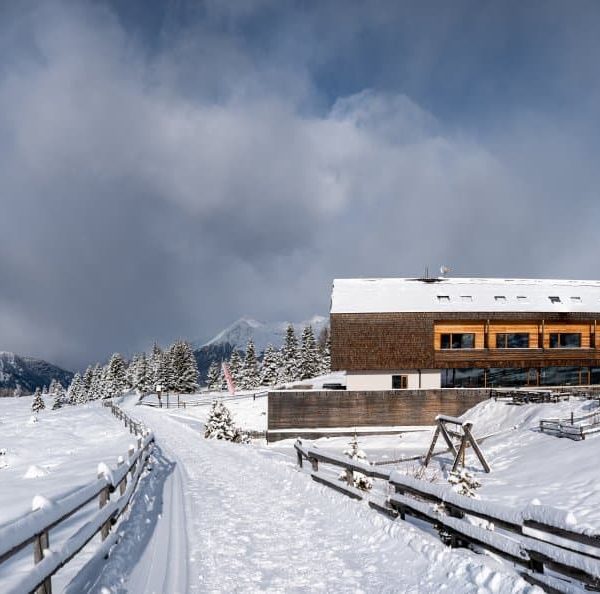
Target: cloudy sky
166,167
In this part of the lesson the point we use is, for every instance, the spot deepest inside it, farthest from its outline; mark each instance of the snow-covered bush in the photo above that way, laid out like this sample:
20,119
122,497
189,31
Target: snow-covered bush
220,425
360,480
38,402
464,483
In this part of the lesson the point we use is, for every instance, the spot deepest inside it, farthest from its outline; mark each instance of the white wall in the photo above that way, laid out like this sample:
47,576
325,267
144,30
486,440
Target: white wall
366,380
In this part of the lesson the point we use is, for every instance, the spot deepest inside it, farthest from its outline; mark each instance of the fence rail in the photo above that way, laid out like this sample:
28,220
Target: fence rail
573,427
541,541
34,527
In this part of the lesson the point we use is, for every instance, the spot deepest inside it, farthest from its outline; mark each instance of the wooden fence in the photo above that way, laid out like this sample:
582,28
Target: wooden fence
34,528
573,427
546,548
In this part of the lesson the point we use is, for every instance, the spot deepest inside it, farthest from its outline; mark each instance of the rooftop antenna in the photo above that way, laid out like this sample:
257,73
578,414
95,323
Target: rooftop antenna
426,271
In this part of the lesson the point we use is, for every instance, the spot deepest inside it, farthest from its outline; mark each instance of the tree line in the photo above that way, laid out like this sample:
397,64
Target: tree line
174,368
295,361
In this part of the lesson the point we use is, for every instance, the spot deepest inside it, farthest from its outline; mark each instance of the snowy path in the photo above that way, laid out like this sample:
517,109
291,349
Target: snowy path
243,519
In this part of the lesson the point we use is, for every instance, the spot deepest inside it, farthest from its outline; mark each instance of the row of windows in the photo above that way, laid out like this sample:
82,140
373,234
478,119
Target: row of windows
502,299
511,378
511,340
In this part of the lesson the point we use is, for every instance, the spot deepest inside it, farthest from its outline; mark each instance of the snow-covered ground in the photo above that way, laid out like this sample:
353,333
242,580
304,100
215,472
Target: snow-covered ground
240,518
52,457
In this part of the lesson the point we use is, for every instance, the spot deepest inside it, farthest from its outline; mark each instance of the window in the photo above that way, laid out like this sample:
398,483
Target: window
444,298
466,298
554,299
565,340
576,299
521,298
399,382
512,340
500,298
458,341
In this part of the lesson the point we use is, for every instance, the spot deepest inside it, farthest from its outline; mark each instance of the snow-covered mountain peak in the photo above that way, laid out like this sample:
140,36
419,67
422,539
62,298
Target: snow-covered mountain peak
262,333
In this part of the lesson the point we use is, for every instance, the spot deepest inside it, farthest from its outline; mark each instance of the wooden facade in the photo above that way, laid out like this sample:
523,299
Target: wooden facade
384,341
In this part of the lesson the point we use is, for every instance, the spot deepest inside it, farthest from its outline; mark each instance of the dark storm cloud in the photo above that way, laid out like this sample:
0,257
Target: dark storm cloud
166,168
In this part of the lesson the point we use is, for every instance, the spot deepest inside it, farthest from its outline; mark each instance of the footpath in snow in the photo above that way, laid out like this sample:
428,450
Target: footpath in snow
221,517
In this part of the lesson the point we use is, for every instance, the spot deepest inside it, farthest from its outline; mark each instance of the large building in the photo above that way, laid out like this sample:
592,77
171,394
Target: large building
394,333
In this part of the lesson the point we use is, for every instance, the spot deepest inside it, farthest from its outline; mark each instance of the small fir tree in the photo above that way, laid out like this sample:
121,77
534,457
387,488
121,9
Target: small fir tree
115,377
143,378
359,480
235,368
464,483
325,358
77,393
220,425
155,364
60,396
38,402
184,368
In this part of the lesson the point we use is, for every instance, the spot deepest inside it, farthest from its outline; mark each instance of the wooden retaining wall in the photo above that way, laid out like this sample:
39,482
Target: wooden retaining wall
391,408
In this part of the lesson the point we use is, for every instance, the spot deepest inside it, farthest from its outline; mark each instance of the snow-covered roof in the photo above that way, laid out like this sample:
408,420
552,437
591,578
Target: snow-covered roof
384,295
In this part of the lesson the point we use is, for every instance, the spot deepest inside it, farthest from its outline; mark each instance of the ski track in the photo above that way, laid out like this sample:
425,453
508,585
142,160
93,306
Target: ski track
244,519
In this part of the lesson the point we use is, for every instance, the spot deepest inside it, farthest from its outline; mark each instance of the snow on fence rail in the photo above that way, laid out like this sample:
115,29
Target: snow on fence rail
575,428
34,527
536,539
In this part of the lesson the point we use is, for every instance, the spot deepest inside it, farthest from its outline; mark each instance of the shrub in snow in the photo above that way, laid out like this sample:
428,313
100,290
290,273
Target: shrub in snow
38,402
464,483
360,481
220,425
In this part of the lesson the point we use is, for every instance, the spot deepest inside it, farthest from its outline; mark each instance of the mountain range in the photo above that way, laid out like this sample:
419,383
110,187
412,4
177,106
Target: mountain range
236,336
29,373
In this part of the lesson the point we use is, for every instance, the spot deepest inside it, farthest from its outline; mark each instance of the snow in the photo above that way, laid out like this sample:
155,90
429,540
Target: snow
382,295
59,454
243,518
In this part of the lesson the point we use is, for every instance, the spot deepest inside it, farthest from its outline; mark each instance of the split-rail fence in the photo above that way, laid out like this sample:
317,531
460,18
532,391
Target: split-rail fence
541,541
33,529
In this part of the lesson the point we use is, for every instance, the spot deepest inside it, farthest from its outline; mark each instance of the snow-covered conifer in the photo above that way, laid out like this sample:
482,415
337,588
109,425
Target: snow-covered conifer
249,372
360,480
88,377
183,368
235,368
309,356
464,483
18,391
289,371
220,425
213,376
325,357
143,375
77,392
45,391
59,394
38,402
115,376
269,370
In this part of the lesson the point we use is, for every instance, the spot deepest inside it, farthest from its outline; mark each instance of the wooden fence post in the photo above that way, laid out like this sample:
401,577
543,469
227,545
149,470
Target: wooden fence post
104,499
314,463
41,543
123,483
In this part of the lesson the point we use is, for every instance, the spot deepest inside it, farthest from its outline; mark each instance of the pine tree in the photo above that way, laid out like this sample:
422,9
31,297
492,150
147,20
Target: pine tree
250,377
269,370
95,391
220,425
155,364
235,368
77,393
165,375
60,396
309,358
289,355
143,379
213,376
359,480
325,362
131,373
38,402
45,391
88,378
184,368
115,377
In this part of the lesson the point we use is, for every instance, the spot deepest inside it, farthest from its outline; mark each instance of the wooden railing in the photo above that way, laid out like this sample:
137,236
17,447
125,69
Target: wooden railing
34,528
573,427
548,549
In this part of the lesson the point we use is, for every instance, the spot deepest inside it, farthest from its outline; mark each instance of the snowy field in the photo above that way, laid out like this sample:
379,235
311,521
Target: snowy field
52,457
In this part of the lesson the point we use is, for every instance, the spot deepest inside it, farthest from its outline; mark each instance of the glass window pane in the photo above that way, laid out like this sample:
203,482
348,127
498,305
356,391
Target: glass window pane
519,340
500,341
560,376
445,342
467,341
554,340
507,378
570,341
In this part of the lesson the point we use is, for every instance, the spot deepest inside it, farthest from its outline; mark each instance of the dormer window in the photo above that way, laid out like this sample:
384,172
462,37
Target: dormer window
576,299
521,298
444,298
466,298
500,298
554,299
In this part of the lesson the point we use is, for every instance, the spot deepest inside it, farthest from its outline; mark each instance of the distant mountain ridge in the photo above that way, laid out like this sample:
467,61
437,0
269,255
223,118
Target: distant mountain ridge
29,373
235,336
